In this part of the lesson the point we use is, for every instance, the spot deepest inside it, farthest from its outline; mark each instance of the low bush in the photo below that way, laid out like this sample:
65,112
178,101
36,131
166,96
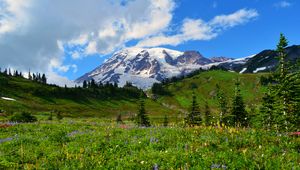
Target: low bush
23,117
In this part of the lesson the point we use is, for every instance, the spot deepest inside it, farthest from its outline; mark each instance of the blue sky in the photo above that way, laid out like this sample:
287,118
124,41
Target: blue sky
68,40
247,39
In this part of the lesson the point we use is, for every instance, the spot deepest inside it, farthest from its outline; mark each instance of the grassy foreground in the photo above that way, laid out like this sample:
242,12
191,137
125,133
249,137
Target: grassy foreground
102,144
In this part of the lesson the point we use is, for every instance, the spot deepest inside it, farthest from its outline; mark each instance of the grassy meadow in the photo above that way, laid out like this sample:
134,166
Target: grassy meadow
93,143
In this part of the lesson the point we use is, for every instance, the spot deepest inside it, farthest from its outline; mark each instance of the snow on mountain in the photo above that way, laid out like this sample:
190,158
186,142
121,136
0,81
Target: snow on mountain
229,64
143,67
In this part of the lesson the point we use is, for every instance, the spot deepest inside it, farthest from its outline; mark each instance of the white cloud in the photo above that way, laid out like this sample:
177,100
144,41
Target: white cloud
33,33
282,4
54,78
197,29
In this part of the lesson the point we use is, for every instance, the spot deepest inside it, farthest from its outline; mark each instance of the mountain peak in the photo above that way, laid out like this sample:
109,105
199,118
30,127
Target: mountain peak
145,66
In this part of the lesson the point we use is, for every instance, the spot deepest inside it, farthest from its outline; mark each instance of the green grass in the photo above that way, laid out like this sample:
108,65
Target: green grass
204,86
93,143
24,91
27,100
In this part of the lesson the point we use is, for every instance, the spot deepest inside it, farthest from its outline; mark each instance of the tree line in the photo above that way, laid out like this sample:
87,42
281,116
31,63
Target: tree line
279,109
37,77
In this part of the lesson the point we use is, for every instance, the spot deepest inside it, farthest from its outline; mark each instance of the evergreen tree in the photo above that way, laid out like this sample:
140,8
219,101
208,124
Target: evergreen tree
100,84
33,77
119,119
222,103
44,79
286,91
267,111
50,116
157,88
59,116
9,72
29,75
142,117
5,72
194,117
207,114
115,85
239,113
166,121
84,84
93,84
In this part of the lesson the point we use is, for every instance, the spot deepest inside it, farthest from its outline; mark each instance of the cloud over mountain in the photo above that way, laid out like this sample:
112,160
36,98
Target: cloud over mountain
36,33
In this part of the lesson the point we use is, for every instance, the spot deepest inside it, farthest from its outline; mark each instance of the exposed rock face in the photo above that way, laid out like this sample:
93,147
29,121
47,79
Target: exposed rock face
220,59
143,67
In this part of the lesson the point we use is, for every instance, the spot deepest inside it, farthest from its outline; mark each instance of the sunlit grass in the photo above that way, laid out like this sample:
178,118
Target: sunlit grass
93,143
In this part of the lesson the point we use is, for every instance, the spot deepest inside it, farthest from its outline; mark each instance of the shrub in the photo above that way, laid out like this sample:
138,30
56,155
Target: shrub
23,117
59,116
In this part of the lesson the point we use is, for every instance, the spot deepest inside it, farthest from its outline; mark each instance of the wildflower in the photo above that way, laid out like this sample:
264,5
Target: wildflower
155,167
142,162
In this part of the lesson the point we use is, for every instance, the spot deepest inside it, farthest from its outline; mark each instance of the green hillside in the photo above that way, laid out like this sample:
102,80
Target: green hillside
40,98
204,86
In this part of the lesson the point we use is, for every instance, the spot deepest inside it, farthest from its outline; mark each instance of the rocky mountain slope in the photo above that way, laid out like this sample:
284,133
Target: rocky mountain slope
143,67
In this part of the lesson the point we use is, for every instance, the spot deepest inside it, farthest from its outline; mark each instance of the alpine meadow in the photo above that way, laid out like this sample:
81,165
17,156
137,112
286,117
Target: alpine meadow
123,84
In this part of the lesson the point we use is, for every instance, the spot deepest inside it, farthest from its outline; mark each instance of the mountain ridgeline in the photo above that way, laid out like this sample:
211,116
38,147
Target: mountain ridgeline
144,67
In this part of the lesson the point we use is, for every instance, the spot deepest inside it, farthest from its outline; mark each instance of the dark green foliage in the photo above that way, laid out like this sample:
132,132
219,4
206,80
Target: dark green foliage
158,89
84,84
119,119
267,111
50,116
142,118
238,111
207,114
23,117
59,116
222,103
285,92
166,121
194,116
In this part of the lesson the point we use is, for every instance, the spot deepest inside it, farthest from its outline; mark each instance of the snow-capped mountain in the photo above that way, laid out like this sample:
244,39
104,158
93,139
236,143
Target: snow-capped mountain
264,61
143,67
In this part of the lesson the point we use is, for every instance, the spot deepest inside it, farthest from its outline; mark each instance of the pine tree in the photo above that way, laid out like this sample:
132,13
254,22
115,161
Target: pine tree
115,85
119,119
44,79
5,72
207,114
142,117
50,116
59,116
166,121
222,103
84,84
239,113
194,117
267,111
286,91
9,72
93,84
29,75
